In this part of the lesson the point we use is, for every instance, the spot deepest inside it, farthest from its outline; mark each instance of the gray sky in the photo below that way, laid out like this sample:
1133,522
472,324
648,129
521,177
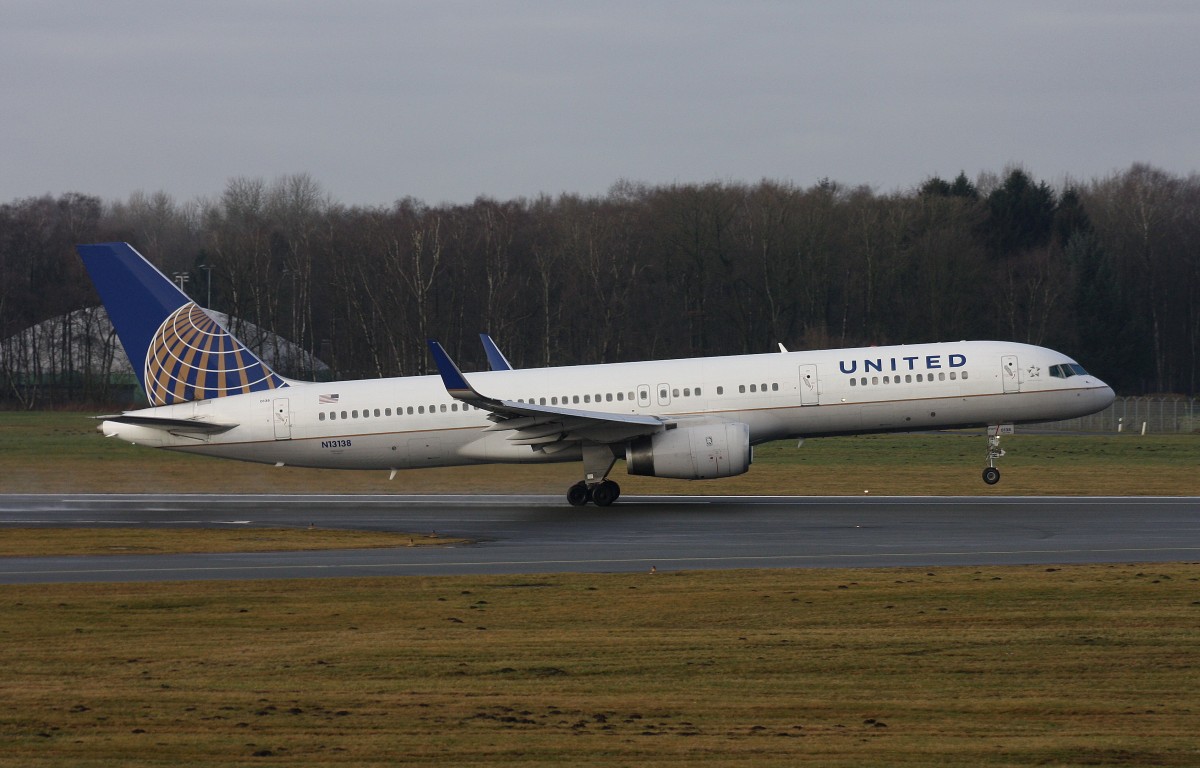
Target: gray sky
445,101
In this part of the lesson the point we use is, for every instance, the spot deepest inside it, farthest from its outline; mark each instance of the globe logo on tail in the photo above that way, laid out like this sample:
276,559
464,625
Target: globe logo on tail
191,357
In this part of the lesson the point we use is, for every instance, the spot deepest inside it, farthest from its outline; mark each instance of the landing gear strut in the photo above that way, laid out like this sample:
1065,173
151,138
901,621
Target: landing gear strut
991,475
598,461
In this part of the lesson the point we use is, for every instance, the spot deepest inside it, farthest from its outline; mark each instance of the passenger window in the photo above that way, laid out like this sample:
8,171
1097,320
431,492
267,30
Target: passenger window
321,416
443,407
775,387
575,399
853,381
675,392
741,389
720,390
410,410
608,397
863,381
620,396
919,379
354,414
874,379
964,375
377,413
454,406
908,378
662,394
687,392
420,409
697,391
887,380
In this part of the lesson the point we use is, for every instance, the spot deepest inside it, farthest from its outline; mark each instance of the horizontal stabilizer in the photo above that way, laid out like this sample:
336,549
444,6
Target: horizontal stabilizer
170,425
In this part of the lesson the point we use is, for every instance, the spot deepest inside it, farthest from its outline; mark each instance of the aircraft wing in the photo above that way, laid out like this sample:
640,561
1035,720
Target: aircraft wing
544,427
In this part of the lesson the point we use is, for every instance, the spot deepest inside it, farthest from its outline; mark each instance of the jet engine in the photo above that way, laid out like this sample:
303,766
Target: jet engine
692,452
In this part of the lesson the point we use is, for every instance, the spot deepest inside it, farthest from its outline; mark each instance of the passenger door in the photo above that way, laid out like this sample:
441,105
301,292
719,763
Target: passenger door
809,392
1010,374
282,419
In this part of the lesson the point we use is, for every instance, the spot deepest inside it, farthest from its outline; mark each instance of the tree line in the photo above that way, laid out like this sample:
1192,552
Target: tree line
1107,271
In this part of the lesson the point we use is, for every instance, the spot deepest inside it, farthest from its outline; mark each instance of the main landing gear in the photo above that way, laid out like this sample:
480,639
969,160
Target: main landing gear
598,461
601,494
991,475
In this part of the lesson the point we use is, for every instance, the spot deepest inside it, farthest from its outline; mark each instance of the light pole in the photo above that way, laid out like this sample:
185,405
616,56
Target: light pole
208,269
182,279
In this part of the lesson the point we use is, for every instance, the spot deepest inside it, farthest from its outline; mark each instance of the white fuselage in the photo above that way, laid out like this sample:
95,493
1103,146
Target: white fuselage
411,422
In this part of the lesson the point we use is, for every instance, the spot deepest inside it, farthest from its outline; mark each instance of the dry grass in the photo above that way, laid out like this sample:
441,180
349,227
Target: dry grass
48,542
1083,665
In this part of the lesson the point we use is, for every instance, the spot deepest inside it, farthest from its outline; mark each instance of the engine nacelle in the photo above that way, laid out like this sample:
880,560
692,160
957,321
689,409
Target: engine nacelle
699,452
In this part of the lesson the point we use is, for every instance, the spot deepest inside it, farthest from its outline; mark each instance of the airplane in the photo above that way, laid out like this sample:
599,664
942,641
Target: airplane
694,418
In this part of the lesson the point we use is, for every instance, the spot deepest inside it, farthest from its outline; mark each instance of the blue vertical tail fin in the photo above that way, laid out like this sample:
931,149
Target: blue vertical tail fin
178,352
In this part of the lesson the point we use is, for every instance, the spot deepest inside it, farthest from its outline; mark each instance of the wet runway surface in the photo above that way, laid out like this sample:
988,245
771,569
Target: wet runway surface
541,534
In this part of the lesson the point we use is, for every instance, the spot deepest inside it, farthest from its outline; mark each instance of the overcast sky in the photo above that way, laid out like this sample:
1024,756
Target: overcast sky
446,101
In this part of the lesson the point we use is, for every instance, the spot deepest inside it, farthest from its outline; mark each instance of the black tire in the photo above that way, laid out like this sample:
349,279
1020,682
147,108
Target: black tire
605,493
991,475
578,495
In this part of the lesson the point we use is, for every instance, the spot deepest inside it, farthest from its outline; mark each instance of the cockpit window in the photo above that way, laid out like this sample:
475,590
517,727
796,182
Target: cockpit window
1067,370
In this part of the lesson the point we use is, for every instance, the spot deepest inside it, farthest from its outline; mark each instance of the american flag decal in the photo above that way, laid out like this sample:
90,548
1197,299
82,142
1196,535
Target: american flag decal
327,399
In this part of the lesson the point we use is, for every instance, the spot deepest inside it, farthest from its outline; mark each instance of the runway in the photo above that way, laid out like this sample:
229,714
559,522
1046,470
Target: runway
541,534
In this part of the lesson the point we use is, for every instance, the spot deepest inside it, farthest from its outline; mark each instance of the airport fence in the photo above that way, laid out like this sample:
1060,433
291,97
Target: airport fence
1152,415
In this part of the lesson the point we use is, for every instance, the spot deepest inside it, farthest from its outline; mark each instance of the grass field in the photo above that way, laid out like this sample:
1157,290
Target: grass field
62,452
67,542
1083,665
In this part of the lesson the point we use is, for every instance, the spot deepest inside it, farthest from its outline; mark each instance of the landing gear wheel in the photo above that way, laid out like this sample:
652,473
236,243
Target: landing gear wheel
578,494
991,475
605,493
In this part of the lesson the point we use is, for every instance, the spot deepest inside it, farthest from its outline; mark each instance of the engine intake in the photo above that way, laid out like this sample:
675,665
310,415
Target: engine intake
703,451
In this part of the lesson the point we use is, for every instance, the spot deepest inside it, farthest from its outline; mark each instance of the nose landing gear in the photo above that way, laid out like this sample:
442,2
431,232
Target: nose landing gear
991,475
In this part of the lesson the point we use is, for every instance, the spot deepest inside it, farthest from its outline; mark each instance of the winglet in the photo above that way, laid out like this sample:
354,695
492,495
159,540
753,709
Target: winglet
496,359
456,384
